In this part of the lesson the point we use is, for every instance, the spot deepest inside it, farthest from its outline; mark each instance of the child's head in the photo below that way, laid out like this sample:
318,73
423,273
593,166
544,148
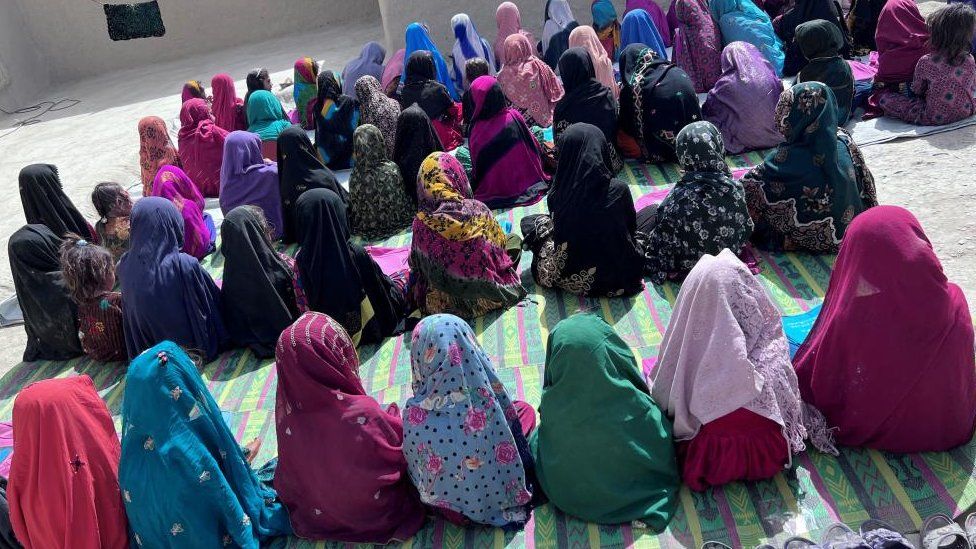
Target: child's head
88,269
111,200
951,30
262,221
474,68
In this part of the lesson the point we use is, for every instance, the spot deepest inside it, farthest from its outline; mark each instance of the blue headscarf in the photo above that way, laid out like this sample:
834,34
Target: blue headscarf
461,419
417,39
604,14
743,21
184,479
638,28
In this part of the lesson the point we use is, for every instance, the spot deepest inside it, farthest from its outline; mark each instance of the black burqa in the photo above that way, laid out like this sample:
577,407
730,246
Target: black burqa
820,41
339,278
50,316
334,129
800,12
863,23
300,169
586,99
420,86
257,299
593,218
7,538
46,204
415,140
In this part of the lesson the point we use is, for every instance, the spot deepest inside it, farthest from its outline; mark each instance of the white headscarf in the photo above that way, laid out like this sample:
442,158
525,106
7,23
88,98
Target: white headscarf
481,48
559,16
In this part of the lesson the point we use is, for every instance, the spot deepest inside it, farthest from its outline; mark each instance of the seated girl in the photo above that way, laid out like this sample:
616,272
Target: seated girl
658,17
155,150
341,471
417,38
585,37
247,179
902,38
300,169
458,258
821,42
587,245
809,189
267,118
461,418
336,117
528,83
416,139
113,204
45,203
697,44
594,398
228,109
261,294
657,99
201,143
369,61
193,89
703,214
945,80
586,100
506,157
639,29
257,79
377,109
89,276
903,383
509,21
63,487
198,232
391,76
50,315
468,45
801,13
168,295
422,88
733,396
174,443
606,26
379,205
559,24
742,104
339,278
473,69
304,91
743,21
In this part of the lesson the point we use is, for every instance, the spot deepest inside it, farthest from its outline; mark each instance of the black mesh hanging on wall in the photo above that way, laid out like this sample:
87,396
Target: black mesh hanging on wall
128,21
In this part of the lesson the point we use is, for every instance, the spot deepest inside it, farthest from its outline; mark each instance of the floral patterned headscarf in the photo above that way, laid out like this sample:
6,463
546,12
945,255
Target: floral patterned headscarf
461,436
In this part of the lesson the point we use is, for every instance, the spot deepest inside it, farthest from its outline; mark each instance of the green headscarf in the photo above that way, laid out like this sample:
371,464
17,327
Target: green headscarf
265,116
378,202
603,450
821,42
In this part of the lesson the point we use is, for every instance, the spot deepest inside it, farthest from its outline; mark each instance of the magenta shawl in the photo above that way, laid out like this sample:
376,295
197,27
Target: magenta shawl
174,185
902,38
890,359
201,145
326,422
742,104
657,16
528,82
697,44
228,109
393,69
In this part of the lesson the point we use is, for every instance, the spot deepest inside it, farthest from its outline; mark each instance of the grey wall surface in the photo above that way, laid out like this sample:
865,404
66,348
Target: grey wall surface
22,74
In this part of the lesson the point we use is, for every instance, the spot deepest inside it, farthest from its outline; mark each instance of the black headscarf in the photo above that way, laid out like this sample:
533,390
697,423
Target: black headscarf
339,278
300,169
586,99
333,135
415,139
863,23
593,217
46,204
50,316
657,100
800,12
255,81
421,86
257,299
820,42
7,538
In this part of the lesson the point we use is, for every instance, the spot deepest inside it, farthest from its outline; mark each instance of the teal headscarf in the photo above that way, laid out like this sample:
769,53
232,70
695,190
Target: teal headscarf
743,21
265,116
604,451
184,479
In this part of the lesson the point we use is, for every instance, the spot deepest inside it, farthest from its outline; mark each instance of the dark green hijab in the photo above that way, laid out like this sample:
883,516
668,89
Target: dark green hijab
604,451
821,43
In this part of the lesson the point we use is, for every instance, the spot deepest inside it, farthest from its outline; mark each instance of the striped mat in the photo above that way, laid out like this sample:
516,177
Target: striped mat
817,491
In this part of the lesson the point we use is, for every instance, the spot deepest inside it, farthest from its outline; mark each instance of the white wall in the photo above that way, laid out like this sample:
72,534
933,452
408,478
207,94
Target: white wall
25,74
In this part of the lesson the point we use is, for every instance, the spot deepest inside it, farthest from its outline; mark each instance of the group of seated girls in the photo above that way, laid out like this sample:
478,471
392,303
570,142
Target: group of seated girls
132,287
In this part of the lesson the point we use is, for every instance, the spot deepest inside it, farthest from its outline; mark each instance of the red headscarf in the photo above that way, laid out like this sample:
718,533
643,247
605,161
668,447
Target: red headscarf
902,39
341,469
155,149
201,144
228,109
64,488
890,360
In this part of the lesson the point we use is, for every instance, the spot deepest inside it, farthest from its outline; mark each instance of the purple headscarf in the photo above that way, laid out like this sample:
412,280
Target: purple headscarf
657,16
246,180
370,61
742,103
168,295
174,185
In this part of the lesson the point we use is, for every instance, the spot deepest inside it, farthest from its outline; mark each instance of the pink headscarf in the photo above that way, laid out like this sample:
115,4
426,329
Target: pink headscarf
509,22
698,44
902,38
201,146
585,37
174,185
890,359
155,149
227,107
657,16
325,422
528,82
394,68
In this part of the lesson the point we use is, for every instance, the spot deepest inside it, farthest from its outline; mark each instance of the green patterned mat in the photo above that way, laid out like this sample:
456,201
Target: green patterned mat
817,491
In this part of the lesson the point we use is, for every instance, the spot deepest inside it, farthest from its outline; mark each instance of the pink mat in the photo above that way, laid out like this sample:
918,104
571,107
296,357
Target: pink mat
390,260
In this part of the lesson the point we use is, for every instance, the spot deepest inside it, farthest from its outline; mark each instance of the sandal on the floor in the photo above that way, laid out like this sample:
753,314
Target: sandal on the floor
714,545
970,527
798,542
939,532
881,535
840,536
